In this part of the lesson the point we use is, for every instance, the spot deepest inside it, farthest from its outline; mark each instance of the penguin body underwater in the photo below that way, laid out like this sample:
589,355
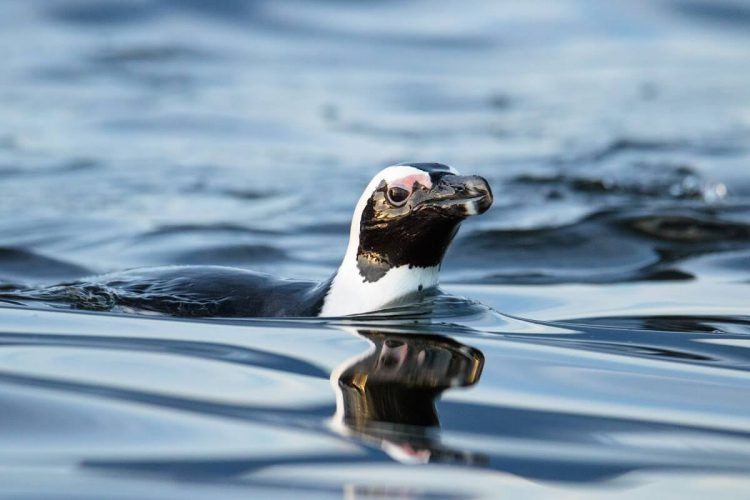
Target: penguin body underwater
401,227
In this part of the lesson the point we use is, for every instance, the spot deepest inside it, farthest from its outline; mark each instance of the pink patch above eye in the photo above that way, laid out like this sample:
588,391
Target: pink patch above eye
409,181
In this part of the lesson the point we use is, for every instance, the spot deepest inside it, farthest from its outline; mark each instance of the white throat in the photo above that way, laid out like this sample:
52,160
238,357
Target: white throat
350,293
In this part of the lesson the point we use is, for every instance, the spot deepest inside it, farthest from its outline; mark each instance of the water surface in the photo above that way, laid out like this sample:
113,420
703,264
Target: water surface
602,345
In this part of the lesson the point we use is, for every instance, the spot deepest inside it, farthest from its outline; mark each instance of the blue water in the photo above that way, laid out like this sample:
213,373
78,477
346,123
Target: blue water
593,332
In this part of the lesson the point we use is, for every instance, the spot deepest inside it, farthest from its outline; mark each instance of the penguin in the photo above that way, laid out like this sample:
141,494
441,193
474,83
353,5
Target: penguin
402,226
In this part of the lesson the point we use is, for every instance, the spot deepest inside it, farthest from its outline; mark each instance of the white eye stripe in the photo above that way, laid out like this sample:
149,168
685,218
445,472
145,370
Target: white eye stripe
409,181
404,175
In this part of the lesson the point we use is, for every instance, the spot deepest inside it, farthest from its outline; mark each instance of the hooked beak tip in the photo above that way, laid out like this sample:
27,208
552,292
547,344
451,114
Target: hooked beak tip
480,195
462,196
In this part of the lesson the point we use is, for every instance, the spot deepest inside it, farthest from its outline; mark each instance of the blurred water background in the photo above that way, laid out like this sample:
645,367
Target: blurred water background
607,349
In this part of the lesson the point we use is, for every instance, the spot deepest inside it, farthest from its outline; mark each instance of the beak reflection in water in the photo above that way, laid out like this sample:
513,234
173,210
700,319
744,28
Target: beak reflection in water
387,398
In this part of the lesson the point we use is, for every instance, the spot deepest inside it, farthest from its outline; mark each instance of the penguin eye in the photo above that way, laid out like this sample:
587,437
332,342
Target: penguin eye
397,196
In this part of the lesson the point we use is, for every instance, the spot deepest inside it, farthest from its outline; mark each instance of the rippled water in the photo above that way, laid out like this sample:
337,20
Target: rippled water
603,342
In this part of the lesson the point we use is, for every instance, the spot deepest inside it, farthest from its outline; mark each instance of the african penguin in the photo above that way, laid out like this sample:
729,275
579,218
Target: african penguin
401,227
400,230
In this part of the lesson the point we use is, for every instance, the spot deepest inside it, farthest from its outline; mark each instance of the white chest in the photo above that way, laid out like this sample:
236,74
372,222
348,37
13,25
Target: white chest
351,294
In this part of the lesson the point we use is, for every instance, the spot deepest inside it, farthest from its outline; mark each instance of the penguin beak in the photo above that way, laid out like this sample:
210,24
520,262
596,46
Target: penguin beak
458,195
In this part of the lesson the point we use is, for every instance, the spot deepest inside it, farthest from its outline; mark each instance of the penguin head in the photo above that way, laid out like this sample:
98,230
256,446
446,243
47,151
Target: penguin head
409,214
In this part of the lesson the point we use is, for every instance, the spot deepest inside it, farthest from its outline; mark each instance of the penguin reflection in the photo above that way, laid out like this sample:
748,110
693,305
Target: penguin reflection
387,397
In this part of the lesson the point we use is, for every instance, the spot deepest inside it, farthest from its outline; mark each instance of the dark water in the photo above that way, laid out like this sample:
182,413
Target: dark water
603,345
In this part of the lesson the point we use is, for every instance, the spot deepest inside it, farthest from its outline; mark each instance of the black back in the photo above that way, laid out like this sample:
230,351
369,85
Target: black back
189,291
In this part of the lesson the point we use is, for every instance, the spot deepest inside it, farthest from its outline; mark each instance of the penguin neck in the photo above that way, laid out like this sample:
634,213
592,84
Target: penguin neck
352,293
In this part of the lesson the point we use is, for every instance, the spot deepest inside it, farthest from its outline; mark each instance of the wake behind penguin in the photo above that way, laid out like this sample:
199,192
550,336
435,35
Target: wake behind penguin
402,226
